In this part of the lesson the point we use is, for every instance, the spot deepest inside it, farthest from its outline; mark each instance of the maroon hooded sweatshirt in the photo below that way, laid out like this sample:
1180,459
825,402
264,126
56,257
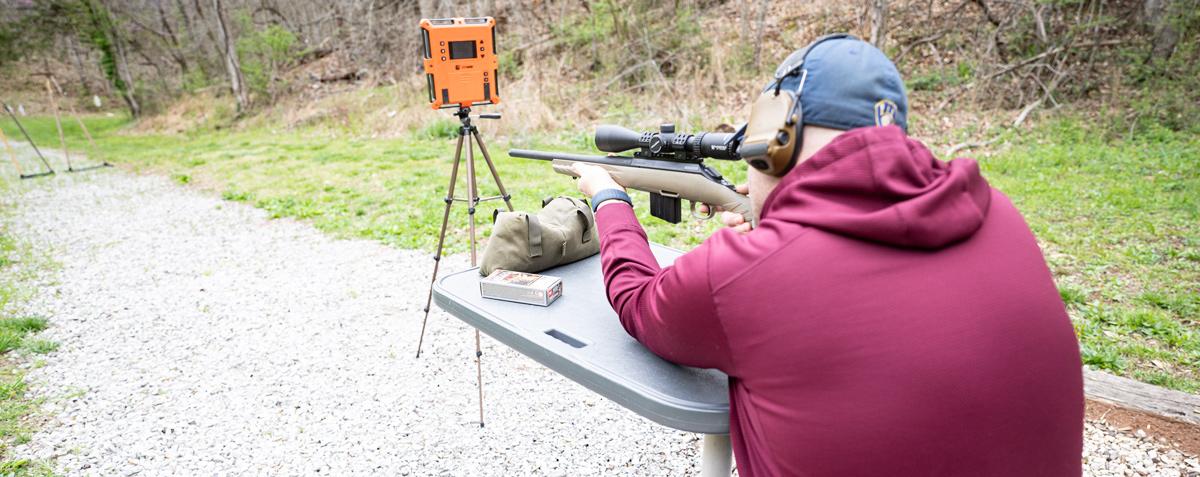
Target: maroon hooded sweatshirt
891,314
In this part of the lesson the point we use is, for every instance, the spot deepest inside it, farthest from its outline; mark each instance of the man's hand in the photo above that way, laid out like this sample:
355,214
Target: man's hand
730,219
593,179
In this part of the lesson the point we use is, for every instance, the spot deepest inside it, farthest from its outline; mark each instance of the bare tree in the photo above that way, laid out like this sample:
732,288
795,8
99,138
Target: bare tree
1164,18
78,63
879,22
104,25
234,67
135,107
762,15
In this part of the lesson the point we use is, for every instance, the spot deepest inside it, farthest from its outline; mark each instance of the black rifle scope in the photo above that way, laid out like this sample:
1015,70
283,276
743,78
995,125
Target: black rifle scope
666,144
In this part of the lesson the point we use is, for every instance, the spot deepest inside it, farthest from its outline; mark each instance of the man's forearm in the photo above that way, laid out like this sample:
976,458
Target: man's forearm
669,310
625,257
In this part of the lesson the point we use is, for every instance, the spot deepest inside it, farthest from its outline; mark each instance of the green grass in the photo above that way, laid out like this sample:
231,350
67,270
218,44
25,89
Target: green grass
387,190
1119,221
1120,227
21,270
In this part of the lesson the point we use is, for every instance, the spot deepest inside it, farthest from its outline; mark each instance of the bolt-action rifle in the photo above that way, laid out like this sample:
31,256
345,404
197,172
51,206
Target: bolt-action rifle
669,166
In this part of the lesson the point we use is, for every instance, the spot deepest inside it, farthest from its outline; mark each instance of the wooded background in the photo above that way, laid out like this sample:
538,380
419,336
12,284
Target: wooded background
1012,55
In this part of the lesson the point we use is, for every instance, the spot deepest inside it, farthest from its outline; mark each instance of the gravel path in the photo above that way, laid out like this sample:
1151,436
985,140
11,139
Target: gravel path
1114,452
200,338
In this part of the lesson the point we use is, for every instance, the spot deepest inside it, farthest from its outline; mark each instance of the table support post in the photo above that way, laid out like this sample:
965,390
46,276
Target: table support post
716,456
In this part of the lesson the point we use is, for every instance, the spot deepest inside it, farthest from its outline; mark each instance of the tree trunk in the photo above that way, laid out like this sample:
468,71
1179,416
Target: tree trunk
187,20
236,82
129,92
879,22
78,64
135,109
745,15
1163,19
762,15
208,31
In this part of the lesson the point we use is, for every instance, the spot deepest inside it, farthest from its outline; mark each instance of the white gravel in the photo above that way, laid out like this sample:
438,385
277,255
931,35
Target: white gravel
200,338
1108,451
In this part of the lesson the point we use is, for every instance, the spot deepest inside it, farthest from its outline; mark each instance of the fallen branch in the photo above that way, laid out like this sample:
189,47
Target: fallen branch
344,75
919,43
964,145
1025,62
953,18
627,71
1025,112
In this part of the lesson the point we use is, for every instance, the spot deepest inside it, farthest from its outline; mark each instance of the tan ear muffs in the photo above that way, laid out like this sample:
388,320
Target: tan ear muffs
772,133
772,136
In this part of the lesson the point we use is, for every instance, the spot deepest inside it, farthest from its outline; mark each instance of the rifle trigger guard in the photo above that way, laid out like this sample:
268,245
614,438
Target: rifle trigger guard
712,210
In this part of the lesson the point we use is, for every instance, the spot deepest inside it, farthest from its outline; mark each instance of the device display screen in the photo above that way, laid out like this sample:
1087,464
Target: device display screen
462,50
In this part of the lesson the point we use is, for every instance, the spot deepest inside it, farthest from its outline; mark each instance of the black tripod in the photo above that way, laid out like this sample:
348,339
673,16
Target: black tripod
472,199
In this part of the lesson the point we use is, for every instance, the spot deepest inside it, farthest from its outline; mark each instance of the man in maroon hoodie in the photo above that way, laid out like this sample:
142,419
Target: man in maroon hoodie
889,314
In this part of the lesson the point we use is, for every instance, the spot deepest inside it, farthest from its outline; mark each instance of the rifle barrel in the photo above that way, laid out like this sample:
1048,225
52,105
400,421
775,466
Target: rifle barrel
550,156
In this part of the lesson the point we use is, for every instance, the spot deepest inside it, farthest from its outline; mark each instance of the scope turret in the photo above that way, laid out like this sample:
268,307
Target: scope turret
666,143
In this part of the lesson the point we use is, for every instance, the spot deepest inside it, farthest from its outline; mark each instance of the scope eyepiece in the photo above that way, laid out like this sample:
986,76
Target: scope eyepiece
666,143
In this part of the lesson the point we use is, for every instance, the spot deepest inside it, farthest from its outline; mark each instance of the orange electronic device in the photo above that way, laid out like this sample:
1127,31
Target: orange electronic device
460,61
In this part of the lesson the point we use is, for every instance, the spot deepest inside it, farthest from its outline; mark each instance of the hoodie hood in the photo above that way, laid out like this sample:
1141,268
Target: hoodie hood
877,184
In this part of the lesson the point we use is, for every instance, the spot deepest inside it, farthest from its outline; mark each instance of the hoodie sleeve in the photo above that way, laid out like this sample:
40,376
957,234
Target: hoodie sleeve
669,310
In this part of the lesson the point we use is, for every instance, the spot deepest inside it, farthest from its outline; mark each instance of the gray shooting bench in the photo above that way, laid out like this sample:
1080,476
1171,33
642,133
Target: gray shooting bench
580,337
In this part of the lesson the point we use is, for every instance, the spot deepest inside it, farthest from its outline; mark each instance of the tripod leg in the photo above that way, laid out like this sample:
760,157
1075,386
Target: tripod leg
479,375
474,200
473,197
437,258
495,175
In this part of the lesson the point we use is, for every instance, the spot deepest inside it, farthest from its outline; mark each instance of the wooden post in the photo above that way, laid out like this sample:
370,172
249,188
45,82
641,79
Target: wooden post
85,129
11,153
61,137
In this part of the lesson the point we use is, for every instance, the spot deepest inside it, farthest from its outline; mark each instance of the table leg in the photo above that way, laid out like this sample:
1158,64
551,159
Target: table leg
716,456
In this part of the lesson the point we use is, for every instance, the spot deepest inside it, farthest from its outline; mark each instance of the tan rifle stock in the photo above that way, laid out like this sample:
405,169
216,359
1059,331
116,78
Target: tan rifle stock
689,187
692,181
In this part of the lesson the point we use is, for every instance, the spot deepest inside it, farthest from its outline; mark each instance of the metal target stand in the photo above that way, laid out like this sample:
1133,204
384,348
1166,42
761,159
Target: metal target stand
103,162
23,175
62,137
472,200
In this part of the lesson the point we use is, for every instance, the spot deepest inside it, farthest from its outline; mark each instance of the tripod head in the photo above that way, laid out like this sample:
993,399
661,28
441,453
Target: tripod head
464,115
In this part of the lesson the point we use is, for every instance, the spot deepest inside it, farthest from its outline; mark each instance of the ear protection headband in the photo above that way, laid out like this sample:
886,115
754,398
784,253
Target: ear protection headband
771,138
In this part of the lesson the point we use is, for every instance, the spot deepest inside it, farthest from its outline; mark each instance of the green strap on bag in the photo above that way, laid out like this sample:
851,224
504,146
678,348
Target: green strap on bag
564,231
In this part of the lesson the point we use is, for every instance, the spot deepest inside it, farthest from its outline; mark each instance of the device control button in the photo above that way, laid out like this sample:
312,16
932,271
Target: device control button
443,58
481,48
443,50
442,43
485,73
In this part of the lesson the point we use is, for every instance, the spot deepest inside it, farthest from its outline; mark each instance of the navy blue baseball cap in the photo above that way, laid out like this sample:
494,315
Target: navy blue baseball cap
847,84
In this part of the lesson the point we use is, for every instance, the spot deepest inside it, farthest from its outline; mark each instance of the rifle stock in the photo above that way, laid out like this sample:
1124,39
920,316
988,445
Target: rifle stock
668,182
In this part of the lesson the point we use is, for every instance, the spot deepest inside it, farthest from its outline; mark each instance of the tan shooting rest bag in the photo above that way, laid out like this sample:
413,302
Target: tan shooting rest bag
563,232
